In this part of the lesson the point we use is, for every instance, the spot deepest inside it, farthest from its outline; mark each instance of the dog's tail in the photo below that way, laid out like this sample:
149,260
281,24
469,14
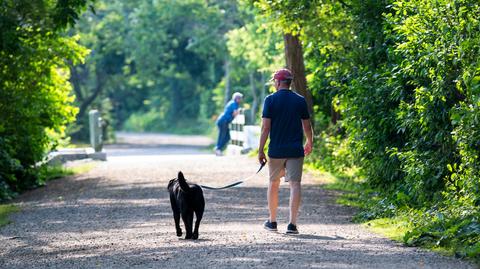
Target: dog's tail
182,182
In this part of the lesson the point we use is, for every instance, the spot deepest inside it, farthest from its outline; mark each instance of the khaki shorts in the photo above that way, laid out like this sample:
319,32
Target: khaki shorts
290,168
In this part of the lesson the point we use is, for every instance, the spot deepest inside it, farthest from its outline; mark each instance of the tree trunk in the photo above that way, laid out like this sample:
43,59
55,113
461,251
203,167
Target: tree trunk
227,80
335,115
254,109
75,80
100,79
264,90
294,60
85,101
176,112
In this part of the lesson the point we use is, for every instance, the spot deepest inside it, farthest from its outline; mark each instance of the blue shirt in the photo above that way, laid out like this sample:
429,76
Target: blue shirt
286,110
227,115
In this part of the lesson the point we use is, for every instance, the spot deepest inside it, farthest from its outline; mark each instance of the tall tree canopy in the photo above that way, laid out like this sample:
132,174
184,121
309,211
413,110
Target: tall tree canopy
154,64
35,98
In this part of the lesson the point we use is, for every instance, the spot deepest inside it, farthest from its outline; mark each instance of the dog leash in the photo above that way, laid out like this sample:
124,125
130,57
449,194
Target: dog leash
235,183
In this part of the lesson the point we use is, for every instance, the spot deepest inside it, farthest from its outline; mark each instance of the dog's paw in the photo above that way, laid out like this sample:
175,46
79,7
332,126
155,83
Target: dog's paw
188,236
195,236
179,233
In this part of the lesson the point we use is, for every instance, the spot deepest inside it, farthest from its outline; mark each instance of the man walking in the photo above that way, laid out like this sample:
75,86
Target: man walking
229,113
285,118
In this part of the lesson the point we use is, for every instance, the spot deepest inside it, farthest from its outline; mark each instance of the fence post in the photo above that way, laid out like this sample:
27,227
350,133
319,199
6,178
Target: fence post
95,123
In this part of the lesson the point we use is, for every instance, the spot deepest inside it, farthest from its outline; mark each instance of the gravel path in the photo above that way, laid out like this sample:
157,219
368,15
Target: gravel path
118,216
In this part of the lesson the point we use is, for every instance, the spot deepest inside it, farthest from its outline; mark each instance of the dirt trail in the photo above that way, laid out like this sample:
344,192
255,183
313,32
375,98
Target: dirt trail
118,216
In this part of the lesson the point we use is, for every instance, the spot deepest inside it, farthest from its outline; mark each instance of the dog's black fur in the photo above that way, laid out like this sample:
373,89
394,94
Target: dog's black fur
186,199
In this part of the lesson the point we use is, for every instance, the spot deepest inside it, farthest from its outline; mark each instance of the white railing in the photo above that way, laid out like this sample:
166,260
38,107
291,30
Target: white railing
237,137
243,137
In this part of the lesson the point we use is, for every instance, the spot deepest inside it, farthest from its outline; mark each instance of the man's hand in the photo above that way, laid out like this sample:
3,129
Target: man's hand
262,159
307,149
307,129
266,122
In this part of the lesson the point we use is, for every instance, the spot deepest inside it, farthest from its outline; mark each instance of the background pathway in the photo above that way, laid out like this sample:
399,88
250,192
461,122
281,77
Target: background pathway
118,216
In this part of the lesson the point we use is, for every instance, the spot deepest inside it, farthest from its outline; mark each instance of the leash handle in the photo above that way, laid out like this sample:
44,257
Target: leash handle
261,166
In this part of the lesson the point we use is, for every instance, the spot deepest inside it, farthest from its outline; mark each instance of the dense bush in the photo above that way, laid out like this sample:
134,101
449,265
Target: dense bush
399,81
35,99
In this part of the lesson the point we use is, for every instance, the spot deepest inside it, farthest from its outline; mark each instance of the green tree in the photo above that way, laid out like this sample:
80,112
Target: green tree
400,80
156,62
256,50
108,80
35,95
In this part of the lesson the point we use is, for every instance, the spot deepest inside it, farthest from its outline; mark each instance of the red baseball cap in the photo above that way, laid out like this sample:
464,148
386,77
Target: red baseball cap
282,74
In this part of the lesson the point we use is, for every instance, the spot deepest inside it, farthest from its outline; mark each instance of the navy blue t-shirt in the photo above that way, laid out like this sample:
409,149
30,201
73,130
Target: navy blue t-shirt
286,110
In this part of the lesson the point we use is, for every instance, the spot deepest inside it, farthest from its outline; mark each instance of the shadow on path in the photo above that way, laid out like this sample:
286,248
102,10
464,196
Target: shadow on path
119,216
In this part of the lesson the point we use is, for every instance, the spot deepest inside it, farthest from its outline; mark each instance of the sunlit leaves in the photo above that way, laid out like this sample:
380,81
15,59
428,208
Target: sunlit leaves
35,95
259,43
405,77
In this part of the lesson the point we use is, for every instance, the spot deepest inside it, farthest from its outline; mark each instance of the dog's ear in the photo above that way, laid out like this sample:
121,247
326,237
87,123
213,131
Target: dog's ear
180,175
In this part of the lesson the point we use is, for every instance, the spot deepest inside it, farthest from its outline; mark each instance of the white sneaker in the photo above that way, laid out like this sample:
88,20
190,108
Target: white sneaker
218,152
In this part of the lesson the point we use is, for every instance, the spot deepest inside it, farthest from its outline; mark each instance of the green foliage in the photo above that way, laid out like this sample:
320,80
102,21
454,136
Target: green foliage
258,43
395,86
6,210
175,54
255,52
331,153
154,61
455,229
151,121
51,172
393,228
35,99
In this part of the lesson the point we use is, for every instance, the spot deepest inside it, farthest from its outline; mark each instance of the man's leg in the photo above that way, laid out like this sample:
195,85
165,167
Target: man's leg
294,171
276,170
227,135
295,200
223,136
272,197
219,139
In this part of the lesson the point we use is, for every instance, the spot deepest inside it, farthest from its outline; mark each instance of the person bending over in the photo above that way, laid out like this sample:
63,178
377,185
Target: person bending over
229,113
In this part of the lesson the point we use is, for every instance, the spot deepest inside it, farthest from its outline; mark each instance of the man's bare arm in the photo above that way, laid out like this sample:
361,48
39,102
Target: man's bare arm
307,130
266,123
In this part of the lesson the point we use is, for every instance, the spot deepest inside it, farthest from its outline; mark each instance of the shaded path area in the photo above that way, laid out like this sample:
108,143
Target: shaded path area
118,216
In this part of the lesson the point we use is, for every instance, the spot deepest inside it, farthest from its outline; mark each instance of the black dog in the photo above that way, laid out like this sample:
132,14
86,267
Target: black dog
186,199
